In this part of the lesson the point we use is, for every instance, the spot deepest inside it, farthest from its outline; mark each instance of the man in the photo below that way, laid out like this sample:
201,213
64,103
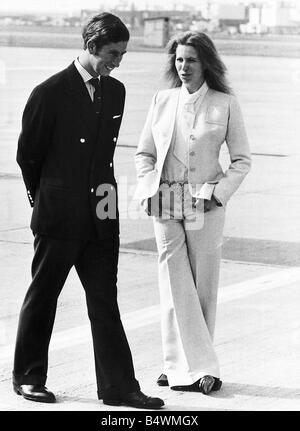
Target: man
69,131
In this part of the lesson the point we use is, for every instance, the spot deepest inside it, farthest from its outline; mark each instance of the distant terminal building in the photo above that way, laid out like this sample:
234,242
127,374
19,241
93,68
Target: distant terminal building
229,15
156,31
279,17
136,18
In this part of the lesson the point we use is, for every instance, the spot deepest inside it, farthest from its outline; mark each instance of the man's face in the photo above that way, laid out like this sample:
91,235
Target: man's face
107,58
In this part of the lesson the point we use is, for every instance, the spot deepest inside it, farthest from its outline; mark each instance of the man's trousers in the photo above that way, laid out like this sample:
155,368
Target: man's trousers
96,263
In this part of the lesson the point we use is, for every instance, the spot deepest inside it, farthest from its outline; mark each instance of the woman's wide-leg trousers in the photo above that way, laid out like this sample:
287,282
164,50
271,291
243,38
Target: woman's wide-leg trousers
188,267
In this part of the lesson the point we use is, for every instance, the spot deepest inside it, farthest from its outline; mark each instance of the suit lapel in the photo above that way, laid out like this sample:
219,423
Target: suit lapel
168,116
78,92
166,124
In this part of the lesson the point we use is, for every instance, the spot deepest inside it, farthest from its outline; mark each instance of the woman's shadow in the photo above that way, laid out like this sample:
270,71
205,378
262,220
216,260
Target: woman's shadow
230,389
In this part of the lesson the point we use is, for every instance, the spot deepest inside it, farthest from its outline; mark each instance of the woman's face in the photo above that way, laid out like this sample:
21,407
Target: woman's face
189,67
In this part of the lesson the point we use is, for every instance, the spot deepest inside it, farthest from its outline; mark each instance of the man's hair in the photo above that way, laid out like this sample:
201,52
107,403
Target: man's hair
213,67
103,29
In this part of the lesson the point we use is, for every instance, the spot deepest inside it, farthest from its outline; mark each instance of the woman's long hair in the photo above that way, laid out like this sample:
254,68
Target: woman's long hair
213,67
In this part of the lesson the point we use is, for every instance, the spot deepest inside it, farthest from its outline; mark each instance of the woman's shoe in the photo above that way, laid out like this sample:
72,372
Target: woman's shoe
217,385
162,380
206,384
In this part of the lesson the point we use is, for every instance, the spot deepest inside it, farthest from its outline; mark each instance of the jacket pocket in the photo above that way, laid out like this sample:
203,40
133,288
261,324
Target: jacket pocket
217,114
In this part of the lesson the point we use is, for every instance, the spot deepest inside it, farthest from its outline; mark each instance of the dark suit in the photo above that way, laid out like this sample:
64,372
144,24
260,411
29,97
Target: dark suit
65,152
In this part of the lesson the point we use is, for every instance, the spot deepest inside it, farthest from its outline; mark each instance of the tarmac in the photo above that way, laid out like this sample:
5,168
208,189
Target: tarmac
257,336
257,339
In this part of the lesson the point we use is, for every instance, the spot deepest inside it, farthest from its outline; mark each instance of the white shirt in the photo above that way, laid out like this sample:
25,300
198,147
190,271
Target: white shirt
186,116
86,76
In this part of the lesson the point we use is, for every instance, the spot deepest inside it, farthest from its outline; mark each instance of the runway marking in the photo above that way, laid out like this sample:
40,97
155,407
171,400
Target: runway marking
150,315
260,284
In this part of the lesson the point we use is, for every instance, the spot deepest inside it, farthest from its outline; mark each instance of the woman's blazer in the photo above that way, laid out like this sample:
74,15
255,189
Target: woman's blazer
219,120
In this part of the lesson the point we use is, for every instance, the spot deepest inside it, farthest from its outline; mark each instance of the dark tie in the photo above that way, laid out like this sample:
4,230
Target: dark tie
97,94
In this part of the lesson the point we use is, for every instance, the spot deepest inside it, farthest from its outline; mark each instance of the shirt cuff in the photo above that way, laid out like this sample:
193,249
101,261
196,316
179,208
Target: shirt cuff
205,192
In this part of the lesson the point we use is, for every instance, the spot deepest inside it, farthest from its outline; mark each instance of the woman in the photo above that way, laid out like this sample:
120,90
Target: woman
182,185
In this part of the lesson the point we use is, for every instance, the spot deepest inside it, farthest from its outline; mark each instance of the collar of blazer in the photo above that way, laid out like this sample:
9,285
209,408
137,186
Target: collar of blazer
167,103
166,110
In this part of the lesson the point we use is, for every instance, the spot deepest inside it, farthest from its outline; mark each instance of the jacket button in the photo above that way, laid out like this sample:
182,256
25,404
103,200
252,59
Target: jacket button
192,153
92,190
110,165
115,139
82,140
192,137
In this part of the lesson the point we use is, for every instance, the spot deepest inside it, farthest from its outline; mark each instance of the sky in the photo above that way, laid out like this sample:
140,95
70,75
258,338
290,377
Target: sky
57,6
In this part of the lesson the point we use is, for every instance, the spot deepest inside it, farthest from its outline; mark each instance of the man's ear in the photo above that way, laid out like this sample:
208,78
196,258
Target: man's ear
91,47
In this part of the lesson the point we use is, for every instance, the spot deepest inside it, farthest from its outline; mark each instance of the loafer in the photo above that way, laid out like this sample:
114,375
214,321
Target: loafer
136,399
162,380
37,393
204,385
217,385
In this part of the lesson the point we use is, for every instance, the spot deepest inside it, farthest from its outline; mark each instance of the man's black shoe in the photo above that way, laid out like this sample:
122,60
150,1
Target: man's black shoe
37,393
136,399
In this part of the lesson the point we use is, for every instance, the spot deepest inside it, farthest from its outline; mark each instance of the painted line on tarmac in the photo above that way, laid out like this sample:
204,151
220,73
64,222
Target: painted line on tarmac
150,315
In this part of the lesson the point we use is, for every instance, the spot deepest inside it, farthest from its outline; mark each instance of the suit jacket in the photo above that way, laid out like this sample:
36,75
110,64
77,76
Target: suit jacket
219,120
66,151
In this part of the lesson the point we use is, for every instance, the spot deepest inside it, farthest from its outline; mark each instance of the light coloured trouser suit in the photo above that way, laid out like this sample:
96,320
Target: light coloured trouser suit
188,267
